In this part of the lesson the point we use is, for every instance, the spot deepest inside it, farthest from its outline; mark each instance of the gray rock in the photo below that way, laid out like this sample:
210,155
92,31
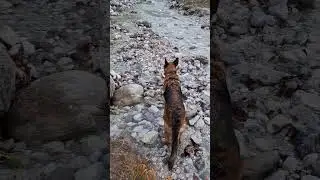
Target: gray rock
20,146
54,147
233,13
310,160
50,70
238,30
154,109
9,174
144,23
138,117
194,120
309,177
128,95
160,121
146,124
8,36
200,124
200,164
279,9
64,61
278,175
94,157
293,55
191,115
260,73
28,48
260,165
196,138
7,145
306,4
302,37
263,144
40,156
7,79
149,116
59,51
258,18
48,64
294,176
149,137
278,122
5,5
93,172
61,173
92,143
138,129
291,164
207,120
46,111
309,99
49,168
271,35
115,131
79,162
233,54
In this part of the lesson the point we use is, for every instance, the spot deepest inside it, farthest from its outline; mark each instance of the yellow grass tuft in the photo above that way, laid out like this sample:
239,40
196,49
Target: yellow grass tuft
127,164
142,172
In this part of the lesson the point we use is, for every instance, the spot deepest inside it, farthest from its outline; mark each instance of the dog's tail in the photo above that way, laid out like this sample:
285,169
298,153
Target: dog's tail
175,140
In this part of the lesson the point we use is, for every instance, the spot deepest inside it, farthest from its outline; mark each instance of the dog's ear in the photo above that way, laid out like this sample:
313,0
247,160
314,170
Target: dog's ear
165,62
176,62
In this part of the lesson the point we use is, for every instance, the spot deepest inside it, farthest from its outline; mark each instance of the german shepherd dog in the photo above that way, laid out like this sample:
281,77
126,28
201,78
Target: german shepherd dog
174,111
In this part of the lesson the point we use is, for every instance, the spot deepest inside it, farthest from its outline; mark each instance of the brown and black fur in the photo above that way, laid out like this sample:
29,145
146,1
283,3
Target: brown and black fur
226,151
174,111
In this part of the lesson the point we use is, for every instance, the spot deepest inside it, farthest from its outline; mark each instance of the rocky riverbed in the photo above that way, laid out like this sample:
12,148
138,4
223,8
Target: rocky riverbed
52,105
272,47
141,37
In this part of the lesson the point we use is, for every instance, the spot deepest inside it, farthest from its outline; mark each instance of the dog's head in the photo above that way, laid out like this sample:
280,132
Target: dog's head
170,67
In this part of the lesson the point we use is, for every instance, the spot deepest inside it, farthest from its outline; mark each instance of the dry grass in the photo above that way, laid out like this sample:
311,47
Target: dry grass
197,3
126,164
142,172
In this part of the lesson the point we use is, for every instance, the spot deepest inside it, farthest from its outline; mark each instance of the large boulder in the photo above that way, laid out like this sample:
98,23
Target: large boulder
7,80
8,36
58,107
128,95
